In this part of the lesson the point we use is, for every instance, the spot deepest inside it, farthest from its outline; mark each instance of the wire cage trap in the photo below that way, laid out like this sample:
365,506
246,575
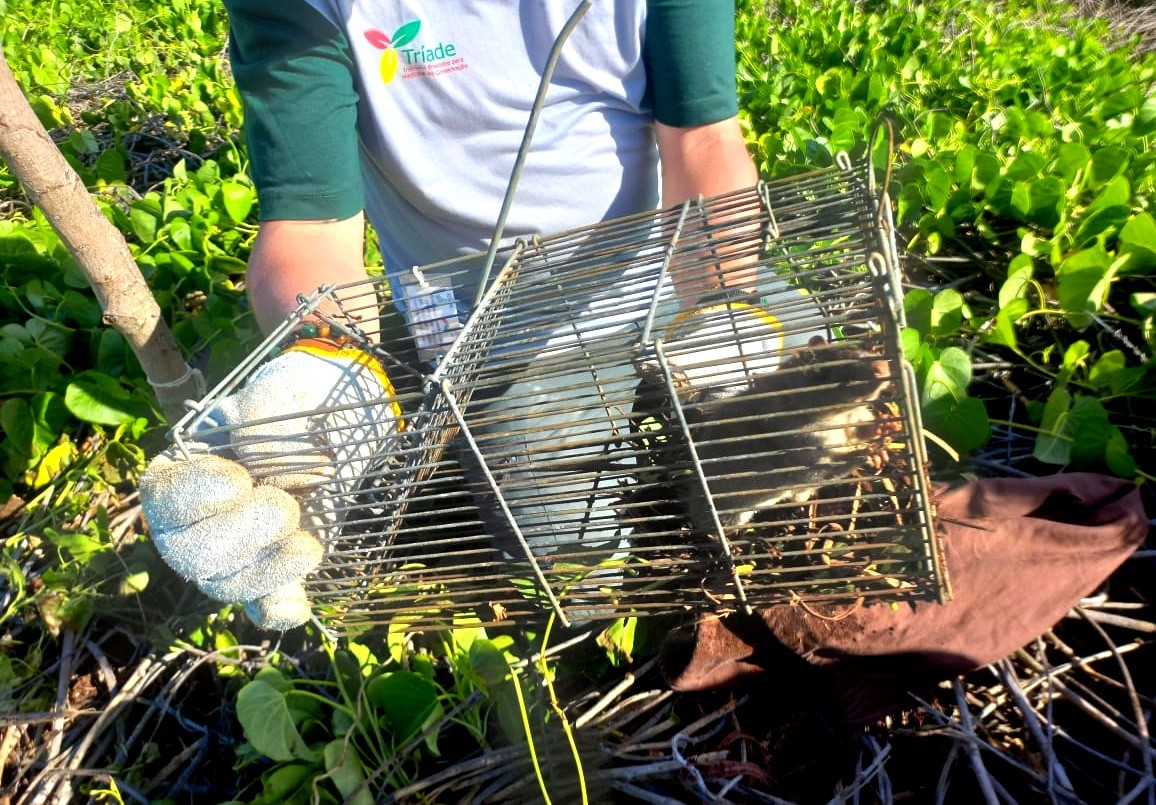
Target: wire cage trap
580,443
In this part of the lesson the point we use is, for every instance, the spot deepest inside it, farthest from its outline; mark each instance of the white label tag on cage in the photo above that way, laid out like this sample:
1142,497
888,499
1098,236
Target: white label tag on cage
432,315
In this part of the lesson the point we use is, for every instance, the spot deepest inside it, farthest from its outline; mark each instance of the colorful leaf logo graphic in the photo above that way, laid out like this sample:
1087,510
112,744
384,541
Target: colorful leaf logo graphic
388,65
405,34
389,44
378,39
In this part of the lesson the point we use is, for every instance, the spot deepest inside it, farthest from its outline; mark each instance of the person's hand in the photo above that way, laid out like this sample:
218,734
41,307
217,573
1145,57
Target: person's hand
247,522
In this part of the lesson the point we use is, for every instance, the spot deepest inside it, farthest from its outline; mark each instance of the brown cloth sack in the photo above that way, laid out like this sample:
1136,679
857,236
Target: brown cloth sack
1019,554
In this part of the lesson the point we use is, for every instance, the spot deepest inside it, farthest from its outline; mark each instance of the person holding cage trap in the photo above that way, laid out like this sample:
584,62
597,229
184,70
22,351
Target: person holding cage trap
413,112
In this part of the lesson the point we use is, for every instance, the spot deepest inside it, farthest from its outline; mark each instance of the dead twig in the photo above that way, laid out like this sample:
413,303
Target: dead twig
943,784
1141,718
1111,619
611,695
981,775
57,781
873,772
1056,771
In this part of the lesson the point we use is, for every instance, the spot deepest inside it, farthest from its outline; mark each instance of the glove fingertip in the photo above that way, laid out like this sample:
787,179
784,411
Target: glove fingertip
282,609
226,542
285,561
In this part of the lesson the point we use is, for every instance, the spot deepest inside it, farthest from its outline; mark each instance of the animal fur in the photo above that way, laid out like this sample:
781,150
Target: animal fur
785,434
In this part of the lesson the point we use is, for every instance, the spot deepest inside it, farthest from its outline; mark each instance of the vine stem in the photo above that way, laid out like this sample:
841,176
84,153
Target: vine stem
525,713
557,707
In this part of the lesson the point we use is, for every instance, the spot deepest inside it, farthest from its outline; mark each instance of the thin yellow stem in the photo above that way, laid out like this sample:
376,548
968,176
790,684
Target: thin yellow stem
545,671
529,735
1031,428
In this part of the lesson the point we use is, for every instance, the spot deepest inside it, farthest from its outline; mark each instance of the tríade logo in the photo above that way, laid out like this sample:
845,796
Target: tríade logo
413,62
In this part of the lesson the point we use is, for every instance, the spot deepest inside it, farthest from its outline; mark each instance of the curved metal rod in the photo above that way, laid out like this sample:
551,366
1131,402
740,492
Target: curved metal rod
524,148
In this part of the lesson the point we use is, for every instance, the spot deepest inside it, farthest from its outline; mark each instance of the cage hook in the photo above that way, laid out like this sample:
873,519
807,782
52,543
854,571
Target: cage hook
879,192
882,268
772,225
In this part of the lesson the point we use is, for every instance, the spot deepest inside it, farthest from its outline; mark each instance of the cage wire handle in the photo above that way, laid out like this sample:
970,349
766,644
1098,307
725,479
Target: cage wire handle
524,148
882,120
773,232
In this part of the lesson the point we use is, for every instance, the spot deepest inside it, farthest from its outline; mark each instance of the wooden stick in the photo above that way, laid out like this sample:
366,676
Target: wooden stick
99,248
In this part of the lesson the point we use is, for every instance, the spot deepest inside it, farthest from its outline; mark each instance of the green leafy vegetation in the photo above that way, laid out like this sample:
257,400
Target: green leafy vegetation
140,104
1022,178
1023,183
345,735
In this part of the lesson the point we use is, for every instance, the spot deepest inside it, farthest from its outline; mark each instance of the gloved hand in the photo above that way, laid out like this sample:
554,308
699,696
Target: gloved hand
247,521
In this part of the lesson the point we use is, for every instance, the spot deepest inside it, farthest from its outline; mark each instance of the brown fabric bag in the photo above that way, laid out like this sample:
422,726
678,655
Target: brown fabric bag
1019,554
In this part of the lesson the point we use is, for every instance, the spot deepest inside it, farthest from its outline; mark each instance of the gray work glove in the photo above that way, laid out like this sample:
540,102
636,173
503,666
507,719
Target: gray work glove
247,522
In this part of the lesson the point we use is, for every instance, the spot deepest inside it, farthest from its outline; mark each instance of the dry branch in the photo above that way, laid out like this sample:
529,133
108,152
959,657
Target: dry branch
99,248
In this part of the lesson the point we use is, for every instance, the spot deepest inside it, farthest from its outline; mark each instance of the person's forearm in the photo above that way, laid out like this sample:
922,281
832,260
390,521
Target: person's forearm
298,257
706,160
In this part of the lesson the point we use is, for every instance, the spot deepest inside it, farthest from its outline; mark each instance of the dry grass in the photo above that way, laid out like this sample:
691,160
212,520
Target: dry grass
1128,19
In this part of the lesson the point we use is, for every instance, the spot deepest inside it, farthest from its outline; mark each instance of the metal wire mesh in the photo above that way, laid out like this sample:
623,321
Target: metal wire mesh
580,448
